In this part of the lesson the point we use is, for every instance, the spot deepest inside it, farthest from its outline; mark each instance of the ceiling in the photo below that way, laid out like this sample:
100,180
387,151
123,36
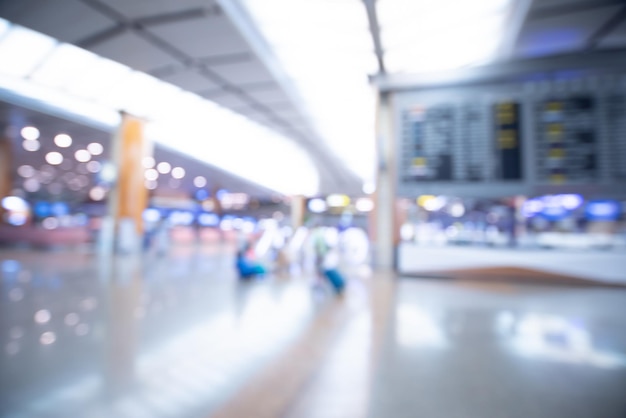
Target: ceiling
64,180
568,26
191,44
301,67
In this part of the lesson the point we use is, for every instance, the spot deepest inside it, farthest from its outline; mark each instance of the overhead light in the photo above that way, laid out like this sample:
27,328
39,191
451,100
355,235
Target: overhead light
96,148
97,193
151,174
32,185
93,166
25,171
369,187
337,200
82,155
63,140
15,203
164,167
457,209
178,172
54,158
151,184
317,205
31,145
30,133
151,215
199,181
364,204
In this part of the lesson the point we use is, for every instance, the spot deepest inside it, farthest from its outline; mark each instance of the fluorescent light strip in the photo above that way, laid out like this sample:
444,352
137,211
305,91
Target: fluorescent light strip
22,50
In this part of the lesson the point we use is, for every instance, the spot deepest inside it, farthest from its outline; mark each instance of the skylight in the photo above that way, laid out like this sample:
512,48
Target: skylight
432,35
326,49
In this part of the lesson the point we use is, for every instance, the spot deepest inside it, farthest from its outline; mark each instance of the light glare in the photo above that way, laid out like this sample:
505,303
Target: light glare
31,145
54,158
95,148
30,132
82,155
63,140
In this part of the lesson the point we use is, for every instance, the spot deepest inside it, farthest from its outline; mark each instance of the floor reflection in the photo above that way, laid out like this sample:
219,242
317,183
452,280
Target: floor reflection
137,336
180,336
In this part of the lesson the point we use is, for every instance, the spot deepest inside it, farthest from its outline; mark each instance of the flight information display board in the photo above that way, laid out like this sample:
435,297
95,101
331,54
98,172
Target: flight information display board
506,139
566,140
616,134
429,139
466,143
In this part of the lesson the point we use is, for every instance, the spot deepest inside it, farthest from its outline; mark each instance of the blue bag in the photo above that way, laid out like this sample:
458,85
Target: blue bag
336,279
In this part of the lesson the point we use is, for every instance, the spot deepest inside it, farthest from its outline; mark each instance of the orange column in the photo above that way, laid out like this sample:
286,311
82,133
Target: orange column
6,169
130,196
133,194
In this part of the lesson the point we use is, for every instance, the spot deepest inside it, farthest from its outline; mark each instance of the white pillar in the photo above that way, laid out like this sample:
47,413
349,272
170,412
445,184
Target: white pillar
298,207
384,197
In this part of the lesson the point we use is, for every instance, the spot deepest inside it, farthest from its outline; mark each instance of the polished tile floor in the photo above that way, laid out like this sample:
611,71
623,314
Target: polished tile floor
179,336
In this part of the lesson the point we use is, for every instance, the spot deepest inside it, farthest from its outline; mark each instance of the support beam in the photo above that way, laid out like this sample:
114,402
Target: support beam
607,28
590,61
567,8
520,11
372,18
384,216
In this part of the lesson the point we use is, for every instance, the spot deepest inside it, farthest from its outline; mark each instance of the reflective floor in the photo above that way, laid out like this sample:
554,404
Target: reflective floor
180,336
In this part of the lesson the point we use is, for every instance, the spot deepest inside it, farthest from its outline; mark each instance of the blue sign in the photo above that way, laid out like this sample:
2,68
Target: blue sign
602,210
42,209
60,209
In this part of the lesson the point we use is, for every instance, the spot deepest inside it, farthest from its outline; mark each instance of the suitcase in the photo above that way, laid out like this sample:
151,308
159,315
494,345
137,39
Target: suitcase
336,279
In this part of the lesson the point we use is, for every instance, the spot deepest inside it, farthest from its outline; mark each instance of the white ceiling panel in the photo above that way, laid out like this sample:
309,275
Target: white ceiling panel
67,21
201,38
229,100
559,34
268,96
133,51
190,79
142,8
242,73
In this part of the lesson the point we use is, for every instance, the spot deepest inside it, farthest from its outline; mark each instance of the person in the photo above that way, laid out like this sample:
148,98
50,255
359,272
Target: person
247,268
326,261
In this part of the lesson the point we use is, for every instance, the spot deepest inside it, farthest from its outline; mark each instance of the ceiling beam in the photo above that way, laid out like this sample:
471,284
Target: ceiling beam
179,16
593,62
102,36
608,27
567,8
520,11
372,18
